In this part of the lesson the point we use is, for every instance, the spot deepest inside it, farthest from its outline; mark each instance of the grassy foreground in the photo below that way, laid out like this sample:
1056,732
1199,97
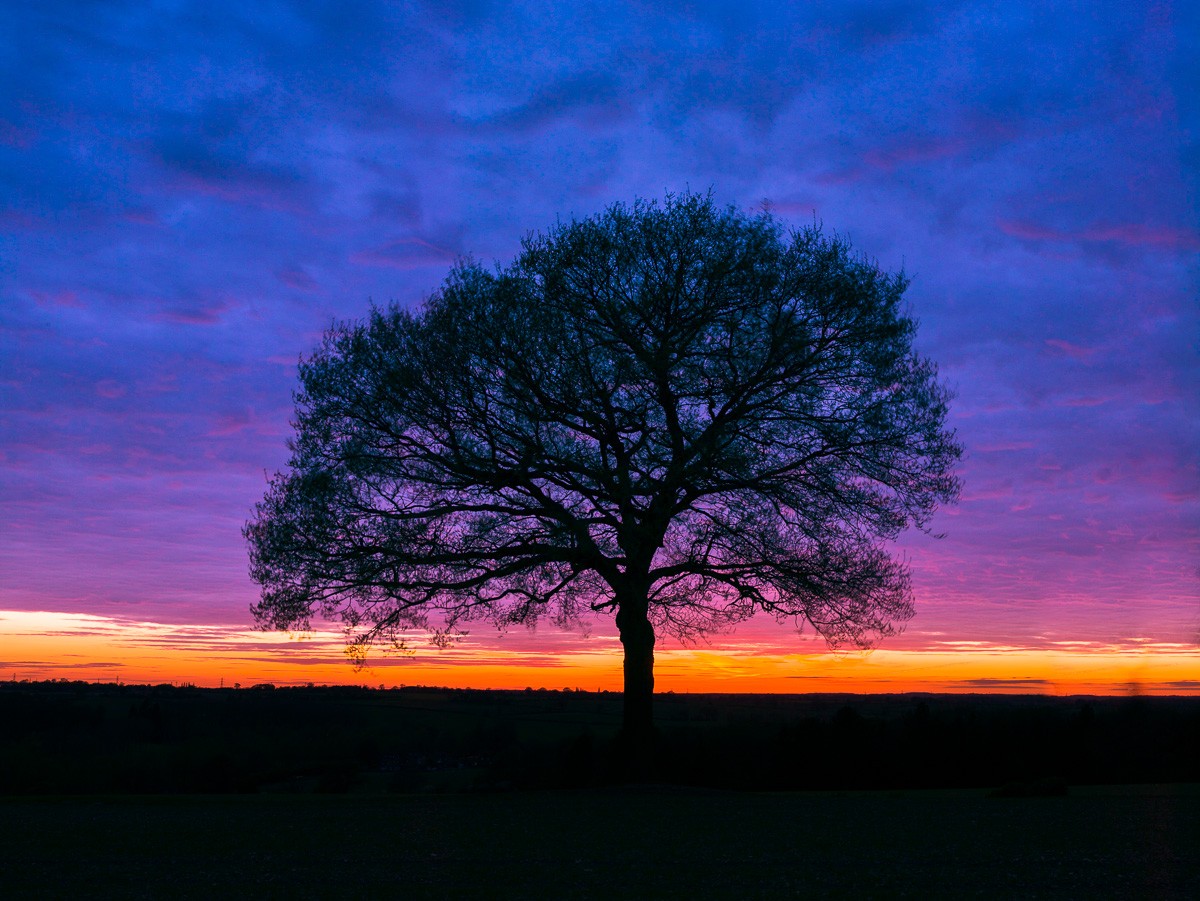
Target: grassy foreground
631,843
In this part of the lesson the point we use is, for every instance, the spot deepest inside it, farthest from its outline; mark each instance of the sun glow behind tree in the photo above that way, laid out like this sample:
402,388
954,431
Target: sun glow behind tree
759,657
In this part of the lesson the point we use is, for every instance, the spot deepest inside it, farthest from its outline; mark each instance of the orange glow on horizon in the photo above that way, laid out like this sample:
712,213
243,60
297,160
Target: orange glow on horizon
43,645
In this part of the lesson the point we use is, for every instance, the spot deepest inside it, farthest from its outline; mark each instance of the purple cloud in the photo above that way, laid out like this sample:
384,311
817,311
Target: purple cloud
188,198
405,253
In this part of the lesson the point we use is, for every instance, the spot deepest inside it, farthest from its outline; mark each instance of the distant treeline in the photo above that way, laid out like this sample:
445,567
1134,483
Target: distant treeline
77,737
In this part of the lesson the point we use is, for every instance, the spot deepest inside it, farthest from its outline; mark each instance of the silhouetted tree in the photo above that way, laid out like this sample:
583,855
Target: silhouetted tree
677,413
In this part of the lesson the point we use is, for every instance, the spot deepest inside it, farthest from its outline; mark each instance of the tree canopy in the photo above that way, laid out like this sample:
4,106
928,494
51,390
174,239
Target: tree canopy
675,412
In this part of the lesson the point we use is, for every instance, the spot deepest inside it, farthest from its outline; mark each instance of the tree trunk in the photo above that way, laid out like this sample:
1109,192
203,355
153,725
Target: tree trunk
637,731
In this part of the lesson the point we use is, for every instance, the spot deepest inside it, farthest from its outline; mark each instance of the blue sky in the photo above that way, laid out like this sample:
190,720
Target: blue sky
191,192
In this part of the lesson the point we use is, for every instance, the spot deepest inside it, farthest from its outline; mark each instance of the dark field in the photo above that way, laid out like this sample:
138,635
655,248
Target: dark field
1139,842
146,792
80,738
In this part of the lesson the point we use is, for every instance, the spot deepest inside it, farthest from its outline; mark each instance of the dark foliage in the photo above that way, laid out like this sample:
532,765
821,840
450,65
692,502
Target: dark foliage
675,413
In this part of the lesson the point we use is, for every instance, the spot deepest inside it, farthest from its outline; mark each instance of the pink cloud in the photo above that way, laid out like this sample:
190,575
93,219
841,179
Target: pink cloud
916,151
792,208
1181,497
160,383
1088,401
19,219
405,253
839,177
16,136
262,192
1074,351
47,299
247,422
1002,446
989,494
199,314
1030,231
1172,238
108,388
230,424
142,216
297,278
1129,234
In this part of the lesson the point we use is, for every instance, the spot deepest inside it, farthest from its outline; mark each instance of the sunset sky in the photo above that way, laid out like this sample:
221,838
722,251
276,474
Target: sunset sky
190,193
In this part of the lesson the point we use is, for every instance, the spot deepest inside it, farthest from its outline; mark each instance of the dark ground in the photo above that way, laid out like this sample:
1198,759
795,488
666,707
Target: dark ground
630,843
80,738
111,791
